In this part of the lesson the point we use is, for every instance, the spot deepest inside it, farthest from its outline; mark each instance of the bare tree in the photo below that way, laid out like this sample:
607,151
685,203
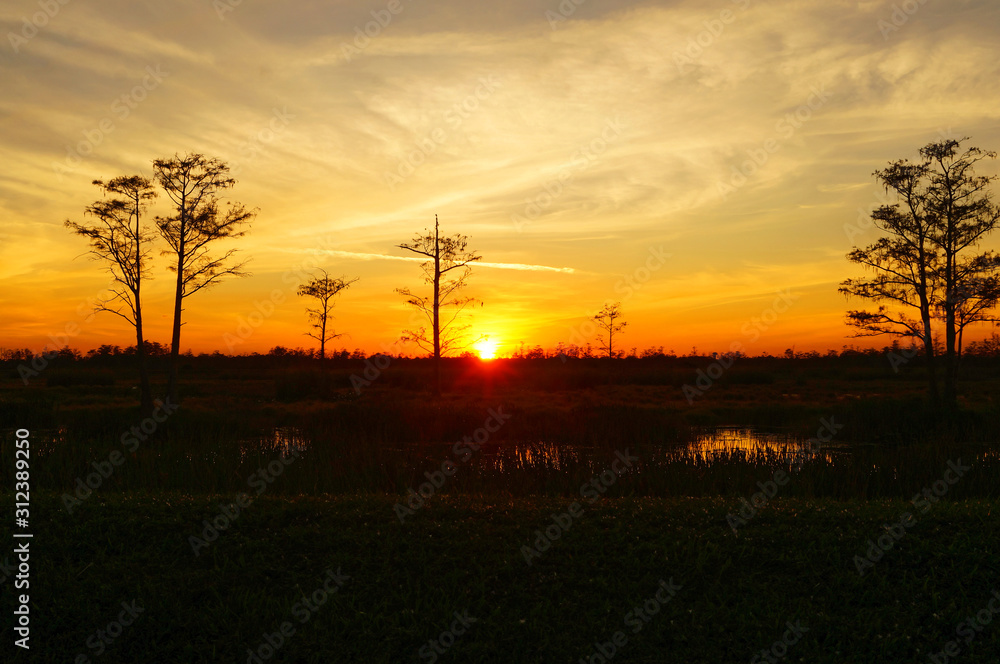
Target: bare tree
606,318
923,270
119,238
323,290
192,183
446,254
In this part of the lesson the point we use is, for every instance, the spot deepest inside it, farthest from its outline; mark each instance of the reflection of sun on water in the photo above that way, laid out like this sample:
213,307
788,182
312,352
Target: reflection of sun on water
725,442
486,349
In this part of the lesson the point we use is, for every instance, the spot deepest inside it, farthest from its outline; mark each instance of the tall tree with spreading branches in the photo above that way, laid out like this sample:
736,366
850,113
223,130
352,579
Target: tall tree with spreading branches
323,290
193,183
904,261
964,214
606,318
927,267
119,238
446,255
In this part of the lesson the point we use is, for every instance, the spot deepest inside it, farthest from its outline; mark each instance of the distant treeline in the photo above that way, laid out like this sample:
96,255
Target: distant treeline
989,347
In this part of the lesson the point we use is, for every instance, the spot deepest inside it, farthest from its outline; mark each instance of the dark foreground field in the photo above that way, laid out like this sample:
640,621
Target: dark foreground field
157,560
400,585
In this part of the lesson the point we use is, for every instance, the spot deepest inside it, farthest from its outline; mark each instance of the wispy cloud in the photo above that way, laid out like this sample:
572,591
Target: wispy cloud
413,259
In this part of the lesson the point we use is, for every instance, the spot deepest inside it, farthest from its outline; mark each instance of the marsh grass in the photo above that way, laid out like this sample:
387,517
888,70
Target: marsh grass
382,448
384,438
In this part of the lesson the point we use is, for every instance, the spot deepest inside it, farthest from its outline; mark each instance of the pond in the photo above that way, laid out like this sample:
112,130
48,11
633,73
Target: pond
721,443
706,448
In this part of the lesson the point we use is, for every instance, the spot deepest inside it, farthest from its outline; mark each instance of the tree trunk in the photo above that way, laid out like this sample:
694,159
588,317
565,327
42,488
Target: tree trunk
145,391
932,384
322,336
951,375
925,316
175,339
437,310
950,299
951,361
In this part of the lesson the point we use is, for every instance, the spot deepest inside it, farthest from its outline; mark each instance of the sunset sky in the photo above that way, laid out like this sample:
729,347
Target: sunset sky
579,147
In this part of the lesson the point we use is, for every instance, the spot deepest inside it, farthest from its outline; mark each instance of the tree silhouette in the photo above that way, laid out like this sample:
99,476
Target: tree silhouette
119,238
922,270
904,262
446,254
323,290
192,183
606,318
964,213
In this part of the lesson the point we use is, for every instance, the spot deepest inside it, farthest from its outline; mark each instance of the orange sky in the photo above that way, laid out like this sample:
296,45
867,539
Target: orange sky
715,154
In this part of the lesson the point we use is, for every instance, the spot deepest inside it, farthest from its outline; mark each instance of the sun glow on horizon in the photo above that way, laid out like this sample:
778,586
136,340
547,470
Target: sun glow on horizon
486,349
547,150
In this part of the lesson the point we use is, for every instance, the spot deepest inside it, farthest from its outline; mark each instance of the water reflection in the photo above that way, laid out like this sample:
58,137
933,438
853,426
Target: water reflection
279,441
750,444
533,456
710,446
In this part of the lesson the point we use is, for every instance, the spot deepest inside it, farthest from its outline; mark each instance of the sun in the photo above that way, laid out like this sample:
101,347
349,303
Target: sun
486,349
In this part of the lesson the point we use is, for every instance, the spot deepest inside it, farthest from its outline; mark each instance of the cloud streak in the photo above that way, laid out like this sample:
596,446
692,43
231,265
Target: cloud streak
412,259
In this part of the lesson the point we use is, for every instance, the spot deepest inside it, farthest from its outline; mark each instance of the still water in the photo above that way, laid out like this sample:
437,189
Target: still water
705,447
708,446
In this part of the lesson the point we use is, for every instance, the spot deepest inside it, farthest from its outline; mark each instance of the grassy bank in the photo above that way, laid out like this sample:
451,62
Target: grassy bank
793,562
